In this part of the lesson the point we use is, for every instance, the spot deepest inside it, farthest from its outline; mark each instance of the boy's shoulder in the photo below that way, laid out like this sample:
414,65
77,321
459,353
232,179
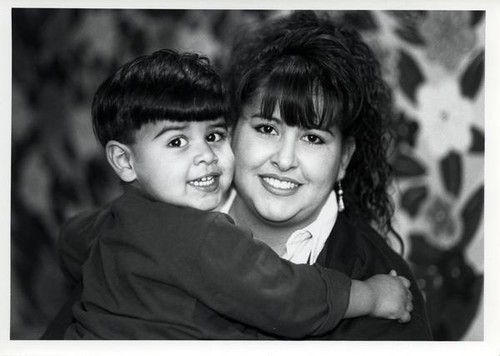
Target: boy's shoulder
141,217
88,219
76,238
134,203
134,207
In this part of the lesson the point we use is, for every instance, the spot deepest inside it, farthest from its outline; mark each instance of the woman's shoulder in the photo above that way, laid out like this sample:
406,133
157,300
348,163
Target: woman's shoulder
374,241
359,249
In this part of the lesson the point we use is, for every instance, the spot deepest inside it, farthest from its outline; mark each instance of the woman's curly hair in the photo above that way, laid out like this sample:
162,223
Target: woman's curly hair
294,60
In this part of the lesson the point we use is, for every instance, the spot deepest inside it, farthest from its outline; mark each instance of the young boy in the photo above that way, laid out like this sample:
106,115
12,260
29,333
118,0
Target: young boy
162,265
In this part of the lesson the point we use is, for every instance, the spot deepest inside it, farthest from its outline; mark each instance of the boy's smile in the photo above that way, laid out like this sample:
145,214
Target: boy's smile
207,183
184,163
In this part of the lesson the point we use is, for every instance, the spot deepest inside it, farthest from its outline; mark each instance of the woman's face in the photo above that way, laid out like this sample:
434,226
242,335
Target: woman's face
284,174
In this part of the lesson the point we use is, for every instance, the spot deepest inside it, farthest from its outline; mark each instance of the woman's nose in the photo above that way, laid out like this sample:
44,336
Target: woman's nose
205,154
285,157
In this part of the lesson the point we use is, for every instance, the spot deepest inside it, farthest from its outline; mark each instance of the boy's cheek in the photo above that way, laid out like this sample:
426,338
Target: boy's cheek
226,155
228,163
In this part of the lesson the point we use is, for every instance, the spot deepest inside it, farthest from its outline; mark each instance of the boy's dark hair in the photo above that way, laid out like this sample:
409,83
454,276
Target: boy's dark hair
165,85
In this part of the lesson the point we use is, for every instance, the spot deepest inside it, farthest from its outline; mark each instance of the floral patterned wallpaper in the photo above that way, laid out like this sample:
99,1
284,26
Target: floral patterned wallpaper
433,60
436,70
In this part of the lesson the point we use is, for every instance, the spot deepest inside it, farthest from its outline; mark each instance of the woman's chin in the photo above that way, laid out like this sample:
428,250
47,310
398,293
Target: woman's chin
276,216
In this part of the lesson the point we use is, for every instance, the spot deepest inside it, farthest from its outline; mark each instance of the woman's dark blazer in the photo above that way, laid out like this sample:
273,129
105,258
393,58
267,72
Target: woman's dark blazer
360,252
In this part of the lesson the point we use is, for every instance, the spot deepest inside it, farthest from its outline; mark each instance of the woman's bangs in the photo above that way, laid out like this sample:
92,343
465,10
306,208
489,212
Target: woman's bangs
300,101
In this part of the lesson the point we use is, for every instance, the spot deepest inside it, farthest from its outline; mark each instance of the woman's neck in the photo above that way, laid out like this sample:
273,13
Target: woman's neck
273,235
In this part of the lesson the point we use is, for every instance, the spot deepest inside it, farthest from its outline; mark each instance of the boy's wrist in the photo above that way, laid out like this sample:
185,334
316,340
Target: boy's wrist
362,299
369,297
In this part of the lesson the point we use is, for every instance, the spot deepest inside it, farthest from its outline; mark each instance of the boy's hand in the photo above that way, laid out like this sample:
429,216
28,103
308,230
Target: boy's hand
392,298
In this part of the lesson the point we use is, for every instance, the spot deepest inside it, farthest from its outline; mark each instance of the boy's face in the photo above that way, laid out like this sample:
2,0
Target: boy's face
184,163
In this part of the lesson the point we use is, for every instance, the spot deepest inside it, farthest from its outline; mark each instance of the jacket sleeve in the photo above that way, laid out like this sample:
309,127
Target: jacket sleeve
76,238
247,281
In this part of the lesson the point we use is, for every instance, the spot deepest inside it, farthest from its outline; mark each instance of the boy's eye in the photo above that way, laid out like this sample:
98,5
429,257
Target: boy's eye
177,142
215,136
266,129
313,139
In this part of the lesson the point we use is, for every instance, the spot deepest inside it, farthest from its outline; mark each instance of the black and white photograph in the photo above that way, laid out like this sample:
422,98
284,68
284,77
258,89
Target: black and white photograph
276,175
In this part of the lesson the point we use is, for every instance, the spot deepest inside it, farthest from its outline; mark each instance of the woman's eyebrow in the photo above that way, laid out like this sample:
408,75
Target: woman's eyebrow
260,116
279,121
329,131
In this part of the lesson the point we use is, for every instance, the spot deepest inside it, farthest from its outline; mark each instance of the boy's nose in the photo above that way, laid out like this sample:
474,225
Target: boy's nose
205,155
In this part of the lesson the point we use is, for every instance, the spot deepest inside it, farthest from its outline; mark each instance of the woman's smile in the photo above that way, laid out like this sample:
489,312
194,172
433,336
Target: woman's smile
285,173
279,185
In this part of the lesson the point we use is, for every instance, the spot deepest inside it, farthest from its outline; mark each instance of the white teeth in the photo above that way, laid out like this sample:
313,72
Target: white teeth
203,182
279,184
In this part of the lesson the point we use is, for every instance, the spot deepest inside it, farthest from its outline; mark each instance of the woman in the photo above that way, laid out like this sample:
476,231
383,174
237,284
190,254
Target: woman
310,110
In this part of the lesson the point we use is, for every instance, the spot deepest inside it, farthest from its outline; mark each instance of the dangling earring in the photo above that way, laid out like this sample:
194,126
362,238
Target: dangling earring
340,196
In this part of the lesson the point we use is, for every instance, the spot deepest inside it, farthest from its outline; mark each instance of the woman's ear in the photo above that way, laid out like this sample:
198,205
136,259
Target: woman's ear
348,148
120,158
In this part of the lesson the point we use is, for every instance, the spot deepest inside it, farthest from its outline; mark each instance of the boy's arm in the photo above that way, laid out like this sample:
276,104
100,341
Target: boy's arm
73,248
76,238
247,281
381,296
360,300
64,317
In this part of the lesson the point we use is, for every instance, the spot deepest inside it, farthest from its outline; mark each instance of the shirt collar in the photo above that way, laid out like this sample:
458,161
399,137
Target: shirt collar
304,245
323,224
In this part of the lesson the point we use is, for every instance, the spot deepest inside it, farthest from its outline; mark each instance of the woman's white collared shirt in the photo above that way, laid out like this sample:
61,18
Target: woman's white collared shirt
304,245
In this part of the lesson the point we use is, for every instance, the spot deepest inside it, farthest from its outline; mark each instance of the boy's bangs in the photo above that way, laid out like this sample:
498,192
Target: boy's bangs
188,105
301,100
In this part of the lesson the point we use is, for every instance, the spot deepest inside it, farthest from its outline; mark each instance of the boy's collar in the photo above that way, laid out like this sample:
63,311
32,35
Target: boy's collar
131,188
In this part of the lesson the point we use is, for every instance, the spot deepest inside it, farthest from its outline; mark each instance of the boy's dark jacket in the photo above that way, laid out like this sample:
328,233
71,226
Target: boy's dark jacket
352,248
158,271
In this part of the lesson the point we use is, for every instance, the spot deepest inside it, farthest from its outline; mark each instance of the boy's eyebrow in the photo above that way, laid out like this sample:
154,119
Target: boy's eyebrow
220,123
174,127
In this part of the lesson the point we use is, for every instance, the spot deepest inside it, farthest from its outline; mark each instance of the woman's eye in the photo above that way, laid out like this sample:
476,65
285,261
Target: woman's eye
177,142
266,130
313,139
216,136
